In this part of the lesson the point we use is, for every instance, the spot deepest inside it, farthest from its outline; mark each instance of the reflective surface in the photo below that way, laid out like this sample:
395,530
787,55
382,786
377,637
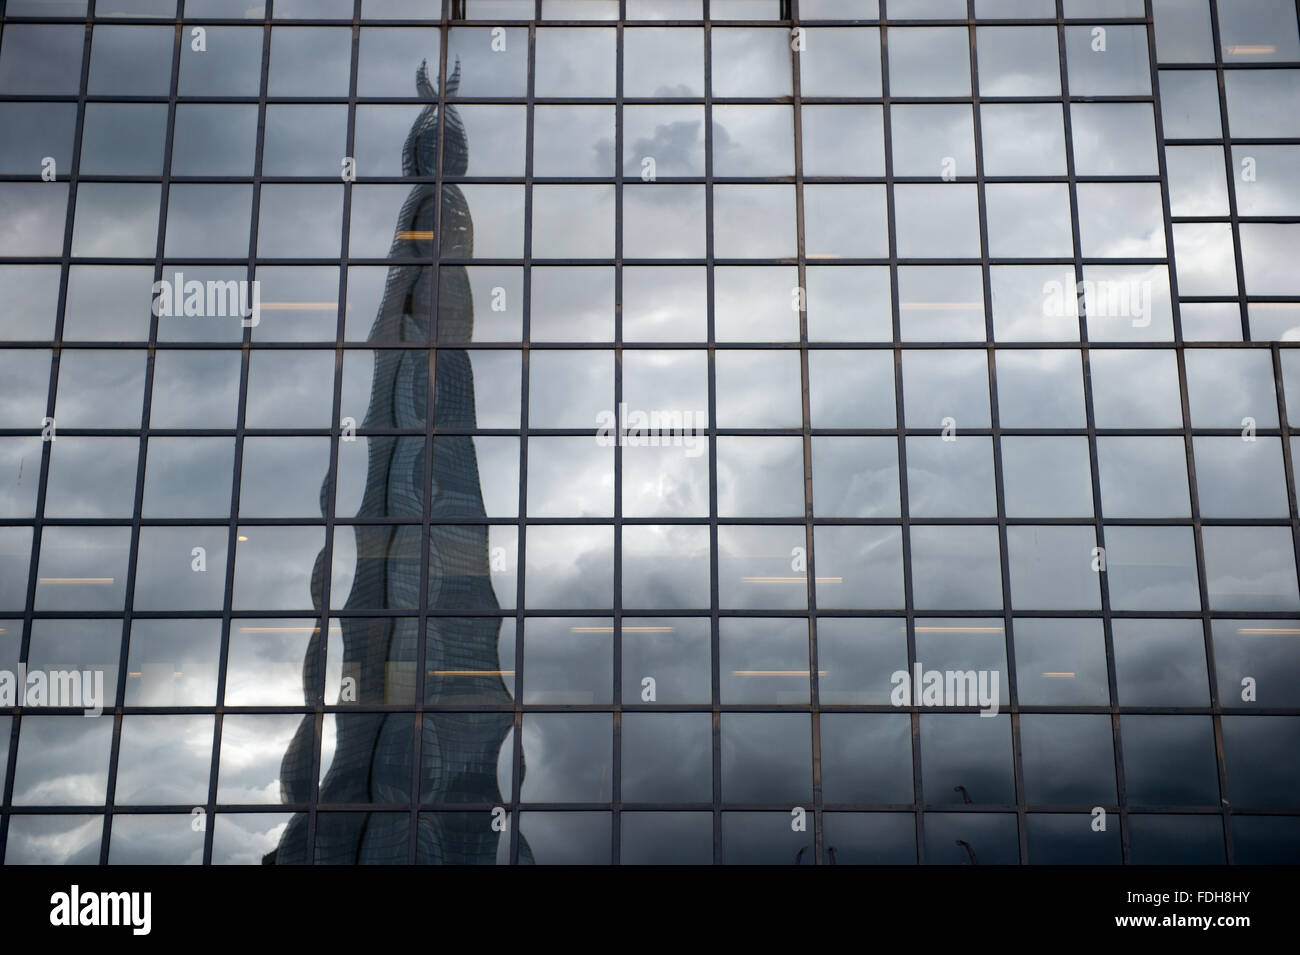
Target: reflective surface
628,409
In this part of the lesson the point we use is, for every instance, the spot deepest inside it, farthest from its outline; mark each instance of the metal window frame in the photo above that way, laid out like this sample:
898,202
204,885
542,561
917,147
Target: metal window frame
452,16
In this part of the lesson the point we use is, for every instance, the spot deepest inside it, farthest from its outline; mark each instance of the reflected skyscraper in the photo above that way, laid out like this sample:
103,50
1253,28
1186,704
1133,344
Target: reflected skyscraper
458,751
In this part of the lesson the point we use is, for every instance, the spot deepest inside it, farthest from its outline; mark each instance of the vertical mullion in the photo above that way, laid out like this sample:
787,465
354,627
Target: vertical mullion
1188,438
214,769
315,709
806,441
516,781
714,655
616,837
430,425
316,697
47,447
1228,161
1091,428
232,532
909,620
137,506
995,428
1288,457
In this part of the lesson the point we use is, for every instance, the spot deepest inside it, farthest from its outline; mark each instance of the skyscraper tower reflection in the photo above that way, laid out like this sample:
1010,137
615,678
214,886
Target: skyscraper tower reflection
458,751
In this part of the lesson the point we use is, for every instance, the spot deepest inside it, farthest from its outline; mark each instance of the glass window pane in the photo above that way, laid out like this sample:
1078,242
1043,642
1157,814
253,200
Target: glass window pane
1189,104
1250,568
1069,759
966,758
1061,662
673,653
309,61
1107,61
41,58
131,60
1160,663
756,62
1259,32
929,61
766,758
1017,61
575,62
1151,568
663,62
123,139
1169,761
956,568
1051,568
1046,477
231,64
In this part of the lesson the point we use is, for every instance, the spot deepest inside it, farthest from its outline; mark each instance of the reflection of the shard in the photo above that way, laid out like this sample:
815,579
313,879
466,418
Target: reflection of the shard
366,758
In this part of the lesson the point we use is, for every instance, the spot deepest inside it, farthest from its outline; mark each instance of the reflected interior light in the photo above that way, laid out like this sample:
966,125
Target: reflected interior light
1273,630
299,306
333,629
416,234
241,538
625,629
820,673
958,629
471,673
791,580
1059,676
1252,49
136,673
938,306
94,581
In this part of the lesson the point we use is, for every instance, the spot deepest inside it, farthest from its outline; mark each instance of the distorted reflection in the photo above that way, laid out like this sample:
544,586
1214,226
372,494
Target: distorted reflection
366,757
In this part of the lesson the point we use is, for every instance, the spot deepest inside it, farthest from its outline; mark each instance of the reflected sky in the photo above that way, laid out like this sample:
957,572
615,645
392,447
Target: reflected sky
393,489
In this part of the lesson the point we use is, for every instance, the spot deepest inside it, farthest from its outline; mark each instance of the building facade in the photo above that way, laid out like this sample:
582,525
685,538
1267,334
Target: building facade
649,431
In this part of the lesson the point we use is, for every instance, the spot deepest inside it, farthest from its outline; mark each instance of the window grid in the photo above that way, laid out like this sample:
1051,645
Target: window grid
806,432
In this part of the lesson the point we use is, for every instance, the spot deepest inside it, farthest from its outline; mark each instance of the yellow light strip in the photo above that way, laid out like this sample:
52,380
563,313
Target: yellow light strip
625,629
471,673
287,629
958,629
78,580
416,234
1247,49
1059,676
1268,630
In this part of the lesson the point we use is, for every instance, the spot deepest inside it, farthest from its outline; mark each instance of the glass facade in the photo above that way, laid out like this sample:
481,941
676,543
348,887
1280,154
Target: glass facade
644,431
